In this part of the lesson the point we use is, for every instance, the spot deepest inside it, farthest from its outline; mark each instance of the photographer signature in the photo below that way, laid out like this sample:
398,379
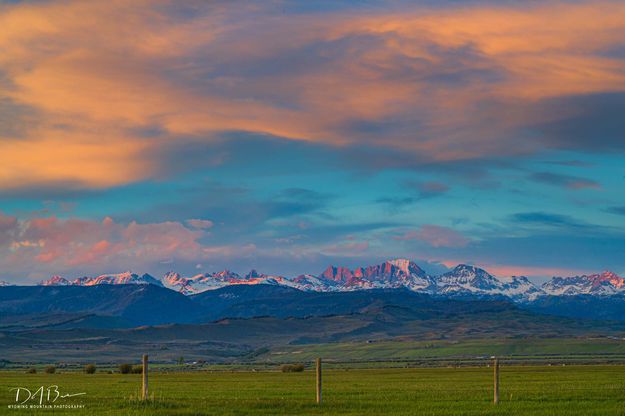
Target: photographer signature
49,394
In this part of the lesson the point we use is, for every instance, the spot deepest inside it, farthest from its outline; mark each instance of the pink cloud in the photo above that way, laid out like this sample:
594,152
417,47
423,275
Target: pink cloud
8,227
65,243
584,184
436,236
42,246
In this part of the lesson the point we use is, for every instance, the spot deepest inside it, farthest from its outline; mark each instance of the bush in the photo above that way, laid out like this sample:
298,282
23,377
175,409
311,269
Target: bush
31,370
137,369
292,368
125,368
50,369
90,369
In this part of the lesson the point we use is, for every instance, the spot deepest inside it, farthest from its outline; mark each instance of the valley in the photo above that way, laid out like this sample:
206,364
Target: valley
385,312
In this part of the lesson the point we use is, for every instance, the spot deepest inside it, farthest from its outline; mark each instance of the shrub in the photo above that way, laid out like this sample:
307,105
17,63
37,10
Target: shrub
291,368
31,370
137,369
50,369
90,368
125,368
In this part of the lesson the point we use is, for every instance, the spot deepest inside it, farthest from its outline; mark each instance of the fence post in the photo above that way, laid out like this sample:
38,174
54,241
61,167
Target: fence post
318,380
496,381
144,390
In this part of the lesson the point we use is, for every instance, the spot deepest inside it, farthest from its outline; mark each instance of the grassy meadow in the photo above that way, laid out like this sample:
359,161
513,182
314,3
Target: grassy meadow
525,390
536,349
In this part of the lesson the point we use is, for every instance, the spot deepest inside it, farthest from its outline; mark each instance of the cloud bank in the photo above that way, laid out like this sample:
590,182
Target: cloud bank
98,90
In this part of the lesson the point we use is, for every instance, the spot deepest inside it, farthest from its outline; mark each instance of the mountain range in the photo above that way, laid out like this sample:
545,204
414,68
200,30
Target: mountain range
224,316
108,322
463,280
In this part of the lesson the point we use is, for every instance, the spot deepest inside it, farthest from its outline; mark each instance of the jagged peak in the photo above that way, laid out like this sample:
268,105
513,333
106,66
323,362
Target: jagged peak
400,263
55,280
253,274
226,273
512,279
405,265
393,273
464,266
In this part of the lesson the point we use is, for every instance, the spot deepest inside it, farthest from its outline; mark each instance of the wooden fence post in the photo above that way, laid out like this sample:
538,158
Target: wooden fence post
144,390
318,380
496,381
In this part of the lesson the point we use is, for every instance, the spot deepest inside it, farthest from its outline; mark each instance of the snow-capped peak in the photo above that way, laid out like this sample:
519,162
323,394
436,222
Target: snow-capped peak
253,274
209,281
390,274
470,280
464,274
401,264
606,283
172,278
55,281
462,280
111,279
124,279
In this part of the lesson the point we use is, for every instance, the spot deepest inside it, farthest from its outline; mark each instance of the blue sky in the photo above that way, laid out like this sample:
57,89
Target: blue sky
286,137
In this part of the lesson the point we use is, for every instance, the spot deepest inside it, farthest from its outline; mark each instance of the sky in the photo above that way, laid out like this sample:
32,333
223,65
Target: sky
289,135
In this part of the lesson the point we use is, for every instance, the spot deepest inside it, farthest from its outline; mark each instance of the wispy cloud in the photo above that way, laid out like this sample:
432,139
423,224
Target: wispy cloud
429,189
564,181
545,218
616,210
200,224
435,236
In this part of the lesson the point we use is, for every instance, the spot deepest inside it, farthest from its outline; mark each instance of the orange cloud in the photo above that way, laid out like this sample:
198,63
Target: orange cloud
72,158
442,84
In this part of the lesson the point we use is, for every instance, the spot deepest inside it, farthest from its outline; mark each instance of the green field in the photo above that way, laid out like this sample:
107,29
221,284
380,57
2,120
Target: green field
545,390
549,349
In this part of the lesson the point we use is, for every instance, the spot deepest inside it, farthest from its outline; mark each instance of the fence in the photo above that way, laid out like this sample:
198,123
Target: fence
318,379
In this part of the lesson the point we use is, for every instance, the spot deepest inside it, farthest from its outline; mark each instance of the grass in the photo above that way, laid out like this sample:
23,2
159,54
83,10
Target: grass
379,353
415,350
569,390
